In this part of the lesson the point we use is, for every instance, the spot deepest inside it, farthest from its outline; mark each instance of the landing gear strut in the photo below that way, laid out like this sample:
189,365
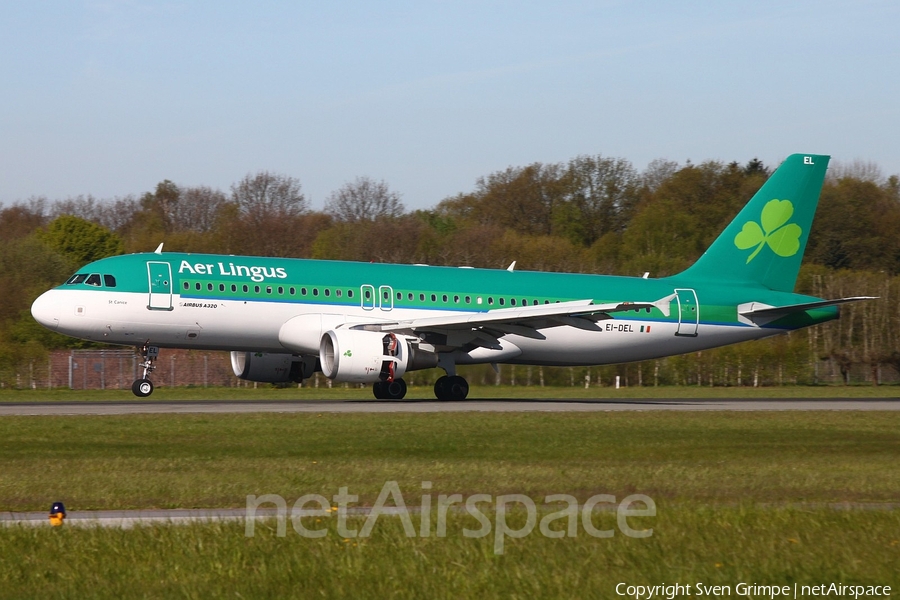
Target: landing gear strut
389,390
143,387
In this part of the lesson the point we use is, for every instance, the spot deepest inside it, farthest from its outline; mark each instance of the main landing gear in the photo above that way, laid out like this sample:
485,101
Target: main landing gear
143,387
448,387
451,387
389,390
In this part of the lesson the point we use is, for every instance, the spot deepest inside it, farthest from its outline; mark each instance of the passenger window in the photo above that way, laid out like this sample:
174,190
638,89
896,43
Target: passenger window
293,291
93,279
468,299
502,301
315,291
456,299
302,291
246,289
409,296
233,288
444,297
399,295
327,292
349,293
256,289
79,278
221,287
421,297
512,301
187,286
209,287
109,281
490,300
268,289
434,297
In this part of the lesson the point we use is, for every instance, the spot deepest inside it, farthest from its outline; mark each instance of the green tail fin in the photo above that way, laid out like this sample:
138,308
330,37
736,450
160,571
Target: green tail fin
764,244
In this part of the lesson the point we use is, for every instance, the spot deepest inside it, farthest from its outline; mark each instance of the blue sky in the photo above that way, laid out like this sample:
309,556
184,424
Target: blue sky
110,97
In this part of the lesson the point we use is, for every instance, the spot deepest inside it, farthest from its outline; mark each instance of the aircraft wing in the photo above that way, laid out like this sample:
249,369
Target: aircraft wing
483,328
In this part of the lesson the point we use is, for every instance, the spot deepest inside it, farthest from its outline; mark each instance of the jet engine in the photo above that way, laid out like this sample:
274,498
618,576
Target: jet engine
360,356
272,368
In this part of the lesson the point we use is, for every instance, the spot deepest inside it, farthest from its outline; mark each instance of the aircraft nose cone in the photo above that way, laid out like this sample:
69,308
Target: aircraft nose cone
45,310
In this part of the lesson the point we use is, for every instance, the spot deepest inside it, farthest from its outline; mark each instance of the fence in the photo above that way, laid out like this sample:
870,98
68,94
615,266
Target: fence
118,368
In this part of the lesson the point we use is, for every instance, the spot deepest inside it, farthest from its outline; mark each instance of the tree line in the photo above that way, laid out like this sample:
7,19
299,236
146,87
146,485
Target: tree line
592,214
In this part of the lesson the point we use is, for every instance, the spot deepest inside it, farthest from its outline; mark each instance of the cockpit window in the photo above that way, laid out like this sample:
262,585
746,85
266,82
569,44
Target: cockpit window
109,281
80,277
93,279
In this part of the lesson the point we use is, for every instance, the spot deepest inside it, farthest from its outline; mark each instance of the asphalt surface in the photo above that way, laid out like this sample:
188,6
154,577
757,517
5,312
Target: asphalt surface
432,406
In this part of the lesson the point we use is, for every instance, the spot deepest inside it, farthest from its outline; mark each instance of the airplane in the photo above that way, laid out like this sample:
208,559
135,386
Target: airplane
285,319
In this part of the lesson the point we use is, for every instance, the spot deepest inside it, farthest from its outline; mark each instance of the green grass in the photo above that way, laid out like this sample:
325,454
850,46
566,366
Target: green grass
689,545
188,461
339,392
740,497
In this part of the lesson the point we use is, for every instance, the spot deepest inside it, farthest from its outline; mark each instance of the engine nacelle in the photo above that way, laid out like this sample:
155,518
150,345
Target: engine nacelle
359,356
272,368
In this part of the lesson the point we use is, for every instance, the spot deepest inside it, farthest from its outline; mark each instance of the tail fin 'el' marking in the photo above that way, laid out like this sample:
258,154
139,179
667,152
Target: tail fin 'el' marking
764,244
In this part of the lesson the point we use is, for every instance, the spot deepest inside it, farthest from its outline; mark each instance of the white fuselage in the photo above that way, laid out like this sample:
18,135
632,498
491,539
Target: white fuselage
253,325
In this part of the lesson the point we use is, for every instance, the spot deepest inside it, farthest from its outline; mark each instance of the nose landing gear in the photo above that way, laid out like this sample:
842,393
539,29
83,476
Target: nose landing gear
143,387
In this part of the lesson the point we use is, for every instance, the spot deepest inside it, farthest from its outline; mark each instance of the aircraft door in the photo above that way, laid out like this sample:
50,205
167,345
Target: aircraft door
386,297
367,297
160,274
688,312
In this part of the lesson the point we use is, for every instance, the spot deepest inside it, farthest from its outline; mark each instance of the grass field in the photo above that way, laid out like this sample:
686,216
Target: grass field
740,497
689,545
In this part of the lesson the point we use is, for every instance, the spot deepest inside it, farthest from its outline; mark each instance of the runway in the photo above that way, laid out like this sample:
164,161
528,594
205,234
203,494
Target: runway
127,519
434,406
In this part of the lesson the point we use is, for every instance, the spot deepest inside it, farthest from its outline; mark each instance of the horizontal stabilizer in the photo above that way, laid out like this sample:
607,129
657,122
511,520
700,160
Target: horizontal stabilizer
757,313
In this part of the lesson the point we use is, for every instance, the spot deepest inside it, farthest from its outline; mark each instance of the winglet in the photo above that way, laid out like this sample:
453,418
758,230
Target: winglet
511,267
159,248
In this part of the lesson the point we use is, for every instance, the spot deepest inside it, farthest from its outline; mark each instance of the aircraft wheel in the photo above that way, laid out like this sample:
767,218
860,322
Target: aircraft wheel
395,390
142,388
458,387
440,388
451,388
378,390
